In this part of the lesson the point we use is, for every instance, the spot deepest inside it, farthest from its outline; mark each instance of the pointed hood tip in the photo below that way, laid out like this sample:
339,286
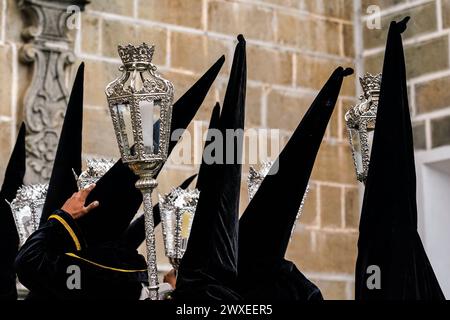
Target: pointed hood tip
22,130
347,72
341,72
215,68
15,169
188,181
79,73
402,25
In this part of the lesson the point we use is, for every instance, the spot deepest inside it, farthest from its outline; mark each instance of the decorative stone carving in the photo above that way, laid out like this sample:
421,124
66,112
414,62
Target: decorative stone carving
49,48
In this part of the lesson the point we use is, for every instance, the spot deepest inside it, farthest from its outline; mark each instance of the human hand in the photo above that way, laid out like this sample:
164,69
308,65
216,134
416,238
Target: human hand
75,204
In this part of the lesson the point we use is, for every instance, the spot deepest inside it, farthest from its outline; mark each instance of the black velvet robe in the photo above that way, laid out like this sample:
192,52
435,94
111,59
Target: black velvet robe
107,271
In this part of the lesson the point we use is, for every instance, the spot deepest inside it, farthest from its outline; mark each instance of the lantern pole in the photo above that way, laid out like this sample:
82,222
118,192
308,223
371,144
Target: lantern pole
146,184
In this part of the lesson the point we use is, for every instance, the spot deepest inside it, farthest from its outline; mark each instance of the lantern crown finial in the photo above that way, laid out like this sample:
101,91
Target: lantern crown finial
370,83
136,55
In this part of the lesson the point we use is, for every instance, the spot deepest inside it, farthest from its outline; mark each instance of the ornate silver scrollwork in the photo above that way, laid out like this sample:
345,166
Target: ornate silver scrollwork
135,99
360,121
27,208
177,210
96,168
49,48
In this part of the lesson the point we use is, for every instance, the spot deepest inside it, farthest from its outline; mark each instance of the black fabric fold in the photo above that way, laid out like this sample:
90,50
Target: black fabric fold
208,270
388,226
9,238
266,224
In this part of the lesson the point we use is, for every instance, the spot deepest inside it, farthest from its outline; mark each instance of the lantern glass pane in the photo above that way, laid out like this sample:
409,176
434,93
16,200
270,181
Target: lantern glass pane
25,226
38,212
125,128
357,151
185,230
370,135
168,221
150,114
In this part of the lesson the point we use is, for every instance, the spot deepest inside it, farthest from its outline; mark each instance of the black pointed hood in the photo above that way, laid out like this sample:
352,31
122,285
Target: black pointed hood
209,267
282,191
68,155
9,238
110,220
265,226
388,227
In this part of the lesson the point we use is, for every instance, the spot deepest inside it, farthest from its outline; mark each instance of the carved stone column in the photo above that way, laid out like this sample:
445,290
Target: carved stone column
49,48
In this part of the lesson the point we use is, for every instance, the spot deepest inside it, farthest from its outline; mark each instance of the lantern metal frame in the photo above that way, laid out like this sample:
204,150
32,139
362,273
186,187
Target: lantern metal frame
137,67
95,169
174,207
26,208
361,118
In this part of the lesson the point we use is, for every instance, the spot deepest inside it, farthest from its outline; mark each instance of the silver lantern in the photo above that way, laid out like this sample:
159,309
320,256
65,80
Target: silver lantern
27,208
177,209
360,121
137,99
256,177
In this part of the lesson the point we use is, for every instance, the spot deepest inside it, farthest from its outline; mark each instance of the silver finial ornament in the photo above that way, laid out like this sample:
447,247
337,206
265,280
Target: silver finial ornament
130,55
27,209
360,122
140,103
177,210
96,168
